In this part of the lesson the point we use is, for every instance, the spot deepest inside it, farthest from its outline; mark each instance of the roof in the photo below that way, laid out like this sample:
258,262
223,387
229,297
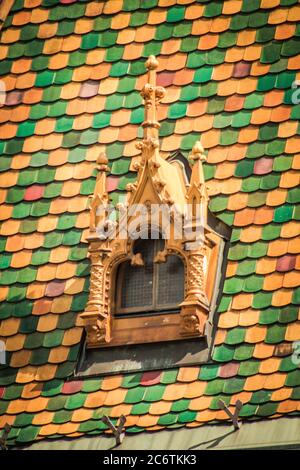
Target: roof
268,434
73,72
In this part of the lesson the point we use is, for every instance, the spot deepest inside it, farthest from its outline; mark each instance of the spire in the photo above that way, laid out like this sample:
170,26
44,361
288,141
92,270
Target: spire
197,194
198,156
100,193
152,95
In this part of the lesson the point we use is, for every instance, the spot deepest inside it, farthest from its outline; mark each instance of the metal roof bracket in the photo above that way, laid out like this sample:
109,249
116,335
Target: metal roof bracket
233,417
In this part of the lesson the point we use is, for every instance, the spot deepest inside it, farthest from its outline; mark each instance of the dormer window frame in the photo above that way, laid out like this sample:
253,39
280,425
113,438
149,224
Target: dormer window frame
158,182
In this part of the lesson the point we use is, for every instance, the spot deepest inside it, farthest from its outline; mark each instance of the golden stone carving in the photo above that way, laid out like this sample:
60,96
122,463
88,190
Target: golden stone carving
158,182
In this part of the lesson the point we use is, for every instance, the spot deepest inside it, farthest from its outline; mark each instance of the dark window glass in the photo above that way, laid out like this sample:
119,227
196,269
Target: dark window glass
153,286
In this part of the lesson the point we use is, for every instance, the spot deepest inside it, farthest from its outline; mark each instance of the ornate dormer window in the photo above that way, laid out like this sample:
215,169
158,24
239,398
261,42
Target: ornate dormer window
155,263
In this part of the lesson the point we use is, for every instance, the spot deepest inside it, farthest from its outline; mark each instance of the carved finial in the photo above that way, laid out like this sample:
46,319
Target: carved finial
198,152
198,156
151,62
102,162
152,95
100,197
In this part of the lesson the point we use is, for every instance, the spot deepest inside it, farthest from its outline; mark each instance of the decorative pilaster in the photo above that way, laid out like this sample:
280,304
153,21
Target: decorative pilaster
194,309
97,322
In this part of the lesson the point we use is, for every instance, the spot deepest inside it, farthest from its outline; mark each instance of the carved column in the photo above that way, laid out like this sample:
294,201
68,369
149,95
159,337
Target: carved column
194,309
97,322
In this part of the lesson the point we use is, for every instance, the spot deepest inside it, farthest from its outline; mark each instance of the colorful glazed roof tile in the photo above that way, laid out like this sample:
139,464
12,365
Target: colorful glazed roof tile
73,71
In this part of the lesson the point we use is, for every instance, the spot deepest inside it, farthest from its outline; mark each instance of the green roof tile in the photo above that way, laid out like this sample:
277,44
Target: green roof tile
235,336
214,387
283,213
135,395
271,53
175,13
223,353
243,352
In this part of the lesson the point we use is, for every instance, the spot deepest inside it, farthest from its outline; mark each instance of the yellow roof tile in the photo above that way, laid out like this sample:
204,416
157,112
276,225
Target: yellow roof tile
95,399
276,197
81,415
269,365
17,406
281,394
21,259
287,406
53,45
194,389
26,374
188,374
46,372
227,320
15,343
265,265
94,8
126,36
45,417
72,336
61,304
278,247
200,403
248,317
175,391
9,326
255,334
112,383
58,61
115,397
82,26
160,407
47,30
83,121
232,6
47,323
246,85
282,297
273,281
67,428
35,290
246,37
291,279
242,301
274,381
255,382
74,286
289,179
221,334
263,350
58,355
20,358
193,11
147,420
120,21
66,270
278,16
47,223
49,429
234,54
46,272
82,220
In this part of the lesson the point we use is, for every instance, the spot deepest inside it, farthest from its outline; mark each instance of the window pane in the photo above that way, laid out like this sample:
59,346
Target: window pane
170,290
137,288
